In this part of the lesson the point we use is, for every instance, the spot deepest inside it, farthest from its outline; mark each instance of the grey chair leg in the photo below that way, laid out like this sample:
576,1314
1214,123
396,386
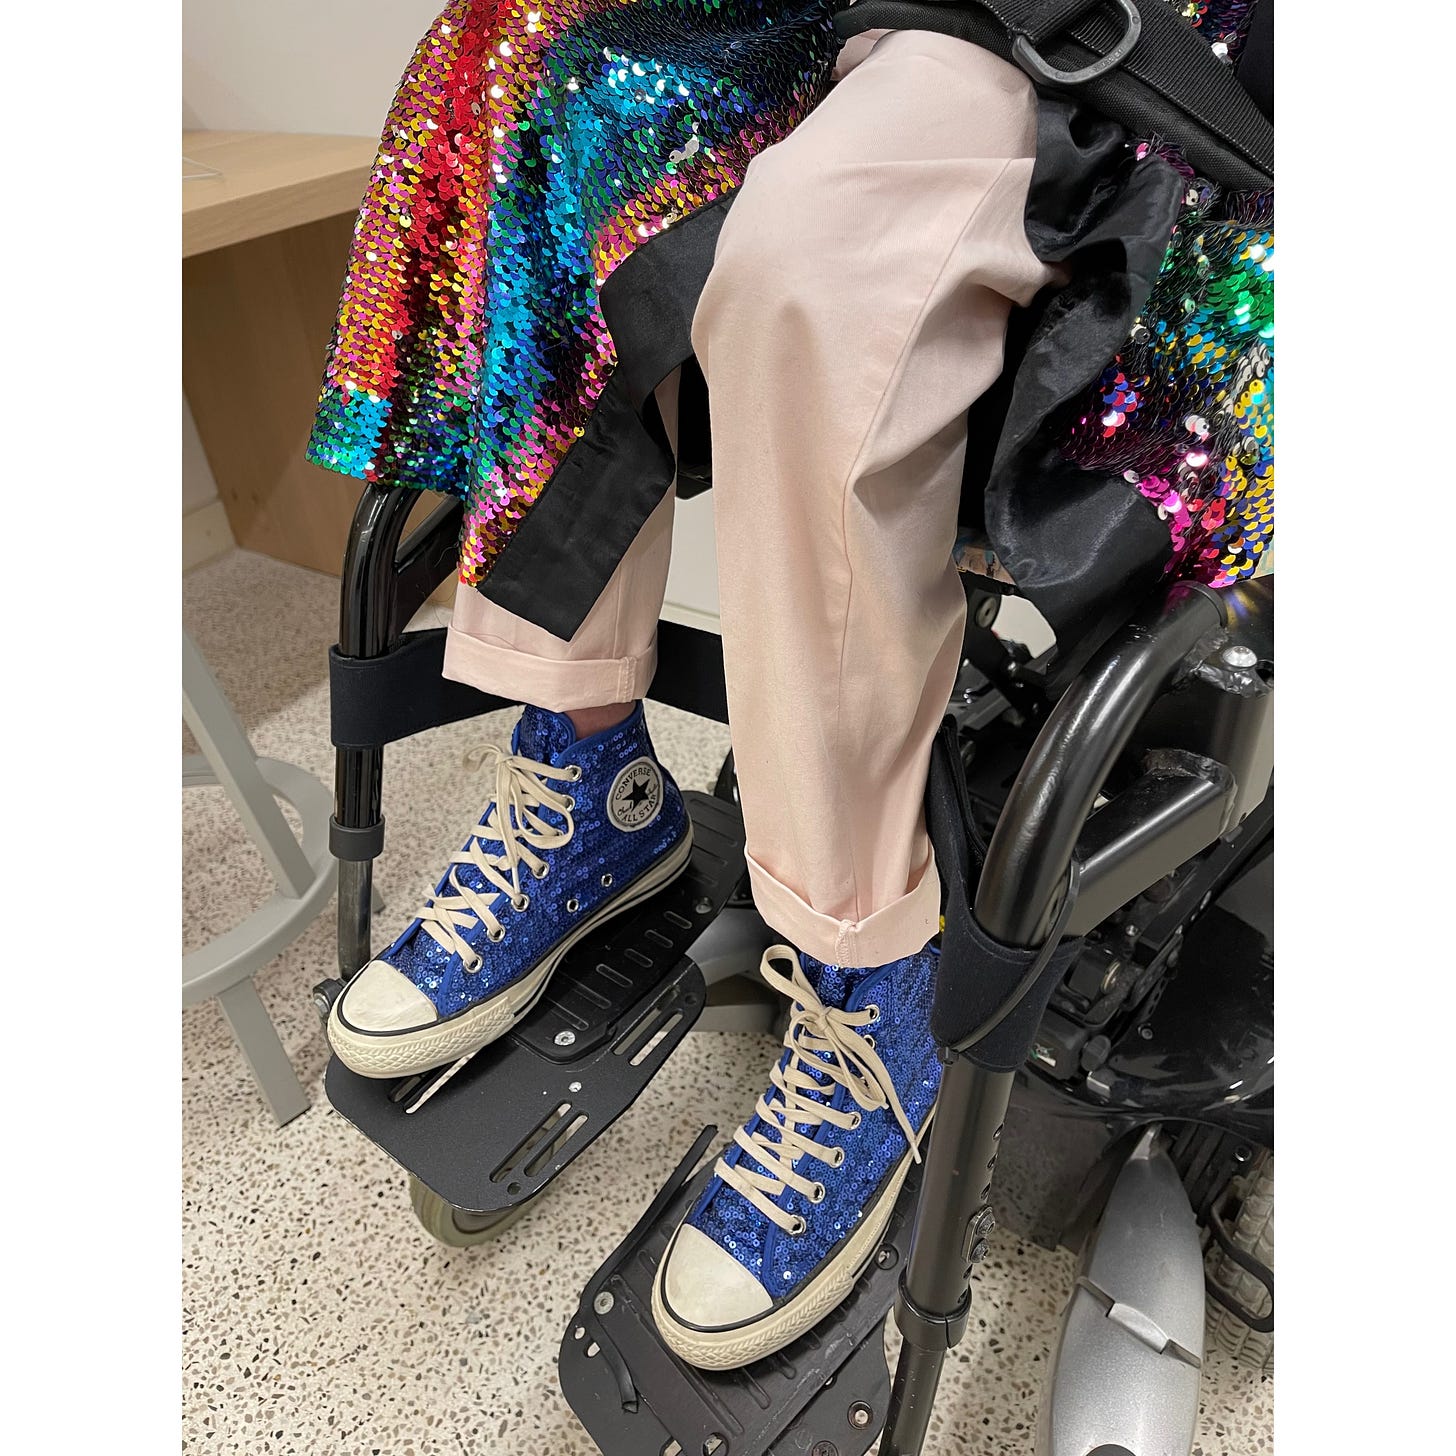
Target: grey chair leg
257,1038
226,748
304,874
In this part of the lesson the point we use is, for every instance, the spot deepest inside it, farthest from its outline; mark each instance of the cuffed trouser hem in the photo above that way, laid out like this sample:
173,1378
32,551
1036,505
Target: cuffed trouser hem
899,929
557,685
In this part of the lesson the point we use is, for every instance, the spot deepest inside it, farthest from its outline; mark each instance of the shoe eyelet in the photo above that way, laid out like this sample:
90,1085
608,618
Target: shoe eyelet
570,801
874,1014
606,882
869,1041
858,1118
524,903
838,1159
496,936
542,872
817,1195
573,905
473,968
797,1227
573,772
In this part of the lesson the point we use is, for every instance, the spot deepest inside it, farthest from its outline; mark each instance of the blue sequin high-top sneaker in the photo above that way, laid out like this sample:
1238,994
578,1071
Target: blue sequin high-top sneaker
797,1205
576,831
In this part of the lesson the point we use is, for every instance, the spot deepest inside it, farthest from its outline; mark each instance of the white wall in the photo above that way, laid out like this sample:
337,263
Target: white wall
328,66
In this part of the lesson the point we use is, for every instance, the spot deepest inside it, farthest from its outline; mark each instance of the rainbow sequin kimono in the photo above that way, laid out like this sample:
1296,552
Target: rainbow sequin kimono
532,146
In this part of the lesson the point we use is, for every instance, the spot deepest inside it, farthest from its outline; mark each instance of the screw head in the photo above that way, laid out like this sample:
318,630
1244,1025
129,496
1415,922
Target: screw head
565,1038
824,1448
887,1258
704,906
1145,1031
860,1415
603,1303
979,1250
1240,656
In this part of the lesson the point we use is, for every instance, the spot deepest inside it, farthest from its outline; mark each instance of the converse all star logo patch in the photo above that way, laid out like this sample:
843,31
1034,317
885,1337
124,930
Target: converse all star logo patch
636,796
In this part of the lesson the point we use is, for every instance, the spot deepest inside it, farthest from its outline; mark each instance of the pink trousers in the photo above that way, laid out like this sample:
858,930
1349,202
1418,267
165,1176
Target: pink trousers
857,306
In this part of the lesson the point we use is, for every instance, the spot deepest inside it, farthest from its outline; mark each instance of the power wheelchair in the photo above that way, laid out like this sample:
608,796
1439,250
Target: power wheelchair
1103,824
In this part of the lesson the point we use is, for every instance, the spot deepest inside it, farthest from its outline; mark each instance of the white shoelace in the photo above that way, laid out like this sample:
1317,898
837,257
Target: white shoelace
852,1062
520,790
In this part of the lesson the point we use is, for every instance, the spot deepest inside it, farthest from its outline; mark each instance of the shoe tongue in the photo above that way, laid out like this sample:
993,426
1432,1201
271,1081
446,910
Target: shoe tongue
835,985
541,735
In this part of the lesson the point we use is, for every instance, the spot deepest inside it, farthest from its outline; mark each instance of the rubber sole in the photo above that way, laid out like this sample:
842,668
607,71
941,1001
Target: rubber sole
401,1054
729,1349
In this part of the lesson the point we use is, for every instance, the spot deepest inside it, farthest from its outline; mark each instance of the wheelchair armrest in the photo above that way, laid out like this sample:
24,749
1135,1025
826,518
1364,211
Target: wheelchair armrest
1028,861
385,582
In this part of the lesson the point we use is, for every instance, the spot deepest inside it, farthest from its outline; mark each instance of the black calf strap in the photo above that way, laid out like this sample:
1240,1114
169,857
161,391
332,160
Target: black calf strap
1137,61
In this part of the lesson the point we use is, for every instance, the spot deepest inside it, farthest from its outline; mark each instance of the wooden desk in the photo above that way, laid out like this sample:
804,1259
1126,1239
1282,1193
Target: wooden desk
264,246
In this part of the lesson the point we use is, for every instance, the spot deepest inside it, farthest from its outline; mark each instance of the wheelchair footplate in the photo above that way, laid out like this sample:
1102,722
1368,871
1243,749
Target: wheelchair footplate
824,1395
488,1133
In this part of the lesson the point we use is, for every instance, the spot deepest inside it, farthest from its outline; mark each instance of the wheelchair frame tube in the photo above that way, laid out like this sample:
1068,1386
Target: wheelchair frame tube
369,605
1017,901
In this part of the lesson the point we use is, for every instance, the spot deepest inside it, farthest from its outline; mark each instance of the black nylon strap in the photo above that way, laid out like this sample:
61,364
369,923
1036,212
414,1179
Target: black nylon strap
1171,84
1048,17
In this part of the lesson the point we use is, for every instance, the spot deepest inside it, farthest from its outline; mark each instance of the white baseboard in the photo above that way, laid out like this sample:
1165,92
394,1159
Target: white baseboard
205,534
692,617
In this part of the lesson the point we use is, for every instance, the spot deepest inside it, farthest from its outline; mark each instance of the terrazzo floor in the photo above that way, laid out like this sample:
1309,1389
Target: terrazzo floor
317,1316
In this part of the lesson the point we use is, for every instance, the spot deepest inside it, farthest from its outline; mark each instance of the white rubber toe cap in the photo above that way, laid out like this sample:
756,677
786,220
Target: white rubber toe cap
381,999
706,1286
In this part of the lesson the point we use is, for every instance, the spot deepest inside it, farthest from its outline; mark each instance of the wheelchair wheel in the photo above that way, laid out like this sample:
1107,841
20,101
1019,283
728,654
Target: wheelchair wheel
1253,1231
455,1227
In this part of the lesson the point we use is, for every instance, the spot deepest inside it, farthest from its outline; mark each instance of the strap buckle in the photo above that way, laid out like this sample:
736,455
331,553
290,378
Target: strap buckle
1035,65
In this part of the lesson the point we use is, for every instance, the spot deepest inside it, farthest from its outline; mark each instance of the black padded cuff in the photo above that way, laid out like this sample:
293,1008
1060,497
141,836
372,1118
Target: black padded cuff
978,974
379,700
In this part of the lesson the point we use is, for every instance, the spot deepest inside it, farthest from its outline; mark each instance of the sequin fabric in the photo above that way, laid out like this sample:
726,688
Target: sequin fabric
597,848
1222,23
1185,412
779,1261
530,148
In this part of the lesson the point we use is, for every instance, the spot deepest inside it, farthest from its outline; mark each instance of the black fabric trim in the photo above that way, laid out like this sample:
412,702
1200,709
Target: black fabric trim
612,479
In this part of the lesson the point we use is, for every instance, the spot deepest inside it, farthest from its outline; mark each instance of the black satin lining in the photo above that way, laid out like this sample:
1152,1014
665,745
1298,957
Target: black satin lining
563,553
1082,547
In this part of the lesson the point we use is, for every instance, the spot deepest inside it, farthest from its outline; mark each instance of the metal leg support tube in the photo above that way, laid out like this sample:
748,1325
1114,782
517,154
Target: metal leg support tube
358,791
952,1219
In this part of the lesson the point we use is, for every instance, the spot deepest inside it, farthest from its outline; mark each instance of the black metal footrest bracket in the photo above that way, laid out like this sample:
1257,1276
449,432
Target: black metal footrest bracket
825,1395
490,1133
